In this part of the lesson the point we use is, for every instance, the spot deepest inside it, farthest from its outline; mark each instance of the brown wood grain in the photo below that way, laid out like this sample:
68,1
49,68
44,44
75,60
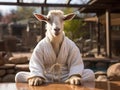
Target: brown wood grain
53,86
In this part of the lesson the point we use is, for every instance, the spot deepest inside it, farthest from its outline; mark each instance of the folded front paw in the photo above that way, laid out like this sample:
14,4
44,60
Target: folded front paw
35,81
75,80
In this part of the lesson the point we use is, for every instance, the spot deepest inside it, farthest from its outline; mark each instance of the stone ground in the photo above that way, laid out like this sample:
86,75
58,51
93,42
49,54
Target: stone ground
8,71
15,64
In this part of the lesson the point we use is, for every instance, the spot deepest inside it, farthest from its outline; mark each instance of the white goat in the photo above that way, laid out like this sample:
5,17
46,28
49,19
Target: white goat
55,25
55,57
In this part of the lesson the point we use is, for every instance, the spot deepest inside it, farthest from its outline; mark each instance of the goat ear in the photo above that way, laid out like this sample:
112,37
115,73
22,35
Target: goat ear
69,16
40,17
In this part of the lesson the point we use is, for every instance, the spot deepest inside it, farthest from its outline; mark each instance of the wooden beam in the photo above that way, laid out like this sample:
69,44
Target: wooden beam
108,34
68,1
45,1
94,10
18,1
101,7
43,5
108,1
91,2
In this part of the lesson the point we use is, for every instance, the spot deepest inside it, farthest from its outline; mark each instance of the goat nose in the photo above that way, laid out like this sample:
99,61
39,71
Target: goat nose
57,29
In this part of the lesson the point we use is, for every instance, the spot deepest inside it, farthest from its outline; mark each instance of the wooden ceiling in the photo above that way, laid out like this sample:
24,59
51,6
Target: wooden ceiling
100,6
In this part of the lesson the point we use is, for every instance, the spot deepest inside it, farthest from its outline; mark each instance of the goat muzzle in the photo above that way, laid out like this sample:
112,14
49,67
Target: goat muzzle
57,31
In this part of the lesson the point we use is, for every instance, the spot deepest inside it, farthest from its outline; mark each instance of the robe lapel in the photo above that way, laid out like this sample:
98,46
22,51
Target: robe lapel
49,51
63,52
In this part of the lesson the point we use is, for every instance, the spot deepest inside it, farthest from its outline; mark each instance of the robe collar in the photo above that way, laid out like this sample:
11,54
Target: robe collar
52,50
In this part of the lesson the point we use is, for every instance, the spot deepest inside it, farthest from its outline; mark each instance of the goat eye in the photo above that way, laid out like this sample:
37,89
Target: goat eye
48,19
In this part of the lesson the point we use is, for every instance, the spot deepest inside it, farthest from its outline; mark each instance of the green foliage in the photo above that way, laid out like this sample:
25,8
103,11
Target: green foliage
73,29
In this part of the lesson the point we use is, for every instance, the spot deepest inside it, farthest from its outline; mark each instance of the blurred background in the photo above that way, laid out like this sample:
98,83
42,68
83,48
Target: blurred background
95,30
22,31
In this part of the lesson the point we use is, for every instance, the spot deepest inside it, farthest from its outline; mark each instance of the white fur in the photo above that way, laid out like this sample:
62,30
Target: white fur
55,20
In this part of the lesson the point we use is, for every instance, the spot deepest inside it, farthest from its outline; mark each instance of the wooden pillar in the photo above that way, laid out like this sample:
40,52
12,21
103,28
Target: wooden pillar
98,35
108,34
1,32
18,1
43,24
91,35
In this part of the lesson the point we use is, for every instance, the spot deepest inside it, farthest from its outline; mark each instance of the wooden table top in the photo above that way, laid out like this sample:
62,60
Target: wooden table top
84,86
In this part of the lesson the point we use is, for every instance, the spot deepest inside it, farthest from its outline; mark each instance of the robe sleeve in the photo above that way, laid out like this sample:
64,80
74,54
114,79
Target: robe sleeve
36,63
75,63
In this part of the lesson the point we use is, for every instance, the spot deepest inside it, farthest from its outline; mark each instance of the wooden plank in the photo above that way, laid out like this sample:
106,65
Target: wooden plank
85,86
101,60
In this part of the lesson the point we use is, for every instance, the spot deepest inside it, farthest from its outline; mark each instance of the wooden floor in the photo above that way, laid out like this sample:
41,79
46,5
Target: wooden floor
84,86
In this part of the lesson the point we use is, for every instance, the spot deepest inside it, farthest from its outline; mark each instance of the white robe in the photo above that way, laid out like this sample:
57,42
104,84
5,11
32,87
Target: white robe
44,57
